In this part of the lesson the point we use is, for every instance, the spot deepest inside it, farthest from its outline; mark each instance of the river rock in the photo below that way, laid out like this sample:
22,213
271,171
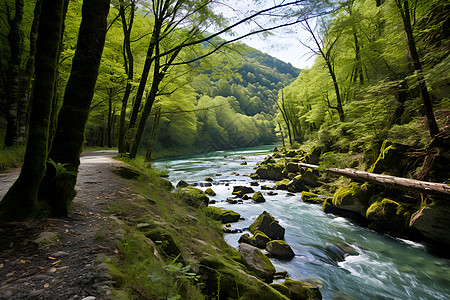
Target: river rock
313,156
182,184
283,184
301,290
354,197
388,216
194,197
433,222
260,239
257,262
280,249
223,215
267,224
241,190
209,179
310,179
338,251
311,198
270,171
258,197
282,289
297,185
292,167
210,192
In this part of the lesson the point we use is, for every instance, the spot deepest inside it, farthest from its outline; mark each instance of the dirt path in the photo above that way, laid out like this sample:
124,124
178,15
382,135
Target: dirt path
69,264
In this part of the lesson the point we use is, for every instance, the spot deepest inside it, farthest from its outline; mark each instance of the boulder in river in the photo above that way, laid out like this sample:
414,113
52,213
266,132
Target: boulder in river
182,184
310,179
267,224
210,192
338,251
433,222
194,197
297,185
301,290
240,190
223,215
354,197
388,216
270,171
257,262
280,249
283,184
260,239
311,198
258,197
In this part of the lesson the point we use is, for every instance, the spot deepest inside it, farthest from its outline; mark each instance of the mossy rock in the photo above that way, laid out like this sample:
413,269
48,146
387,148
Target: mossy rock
309,197
280,249
291,153
254,176
258,197
244,163
268,225
392,159
310,178
297,185
282,289
283,184
353,197
313,156
388,216
257,262
240,190
194,197
210,192
433,222
302,290
165,243
259,240
233,281
270,171
268,160
182,184
219,214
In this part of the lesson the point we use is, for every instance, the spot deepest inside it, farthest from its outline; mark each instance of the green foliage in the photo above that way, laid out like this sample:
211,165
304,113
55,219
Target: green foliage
60,169
11,158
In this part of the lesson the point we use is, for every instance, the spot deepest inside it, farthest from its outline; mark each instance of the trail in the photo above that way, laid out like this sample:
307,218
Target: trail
71,266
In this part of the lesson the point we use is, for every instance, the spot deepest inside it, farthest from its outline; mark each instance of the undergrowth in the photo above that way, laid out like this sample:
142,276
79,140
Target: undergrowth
11,157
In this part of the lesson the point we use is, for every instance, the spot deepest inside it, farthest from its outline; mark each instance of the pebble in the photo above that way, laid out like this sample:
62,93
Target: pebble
35,293
60,254
89,298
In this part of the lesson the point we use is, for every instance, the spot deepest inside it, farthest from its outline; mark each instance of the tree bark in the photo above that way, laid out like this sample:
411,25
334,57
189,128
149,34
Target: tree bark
13,78
389,181
129,70
58,193
426,99
21,199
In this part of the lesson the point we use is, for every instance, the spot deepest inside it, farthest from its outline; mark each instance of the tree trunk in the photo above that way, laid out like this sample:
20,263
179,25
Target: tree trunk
154,130
129,70
426,99
21,199
58,193
13,78
338,107
389,181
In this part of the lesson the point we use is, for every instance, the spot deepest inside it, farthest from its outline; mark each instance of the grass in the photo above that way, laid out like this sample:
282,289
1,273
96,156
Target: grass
11,157
169,250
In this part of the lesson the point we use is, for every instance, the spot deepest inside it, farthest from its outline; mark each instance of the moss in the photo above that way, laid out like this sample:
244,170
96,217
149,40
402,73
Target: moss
392,159
210,192
194,197
354,197
282,289
258,197
219,214
267,224
312,198
165,243
283,184
388,216
301,290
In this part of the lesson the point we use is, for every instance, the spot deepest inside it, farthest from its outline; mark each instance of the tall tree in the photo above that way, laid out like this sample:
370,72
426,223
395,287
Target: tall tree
58,190
21,198
405,12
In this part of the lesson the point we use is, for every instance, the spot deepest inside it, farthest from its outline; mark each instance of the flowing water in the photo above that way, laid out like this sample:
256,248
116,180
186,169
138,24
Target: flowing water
384,268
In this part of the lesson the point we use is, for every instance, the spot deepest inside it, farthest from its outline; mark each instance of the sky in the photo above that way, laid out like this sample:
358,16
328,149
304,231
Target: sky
284,44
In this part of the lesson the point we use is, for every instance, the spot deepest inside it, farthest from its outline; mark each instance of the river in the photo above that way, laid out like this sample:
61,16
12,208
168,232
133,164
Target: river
385,267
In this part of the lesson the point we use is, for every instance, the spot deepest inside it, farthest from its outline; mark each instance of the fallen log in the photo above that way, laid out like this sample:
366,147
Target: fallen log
389,181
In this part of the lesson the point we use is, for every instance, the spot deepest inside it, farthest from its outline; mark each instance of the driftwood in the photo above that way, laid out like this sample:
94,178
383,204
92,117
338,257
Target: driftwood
389,181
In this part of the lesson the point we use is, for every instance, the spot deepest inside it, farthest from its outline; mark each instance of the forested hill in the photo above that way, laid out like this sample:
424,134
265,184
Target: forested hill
232,99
